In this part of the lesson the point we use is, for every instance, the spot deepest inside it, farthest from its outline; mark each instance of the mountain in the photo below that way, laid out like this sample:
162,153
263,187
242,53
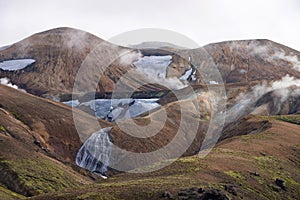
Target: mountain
59,53
254,60
156,45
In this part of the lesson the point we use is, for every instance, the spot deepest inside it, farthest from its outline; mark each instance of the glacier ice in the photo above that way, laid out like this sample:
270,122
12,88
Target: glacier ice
94,154
154,66
118,109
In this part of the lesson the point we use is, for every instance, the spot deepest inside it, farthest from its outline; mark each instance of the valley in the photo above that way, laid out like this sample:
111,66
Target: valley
82,118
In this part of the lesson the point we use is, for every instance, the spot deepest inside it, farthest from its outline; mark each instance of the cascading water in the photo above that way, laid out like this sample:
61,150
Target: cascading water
95,152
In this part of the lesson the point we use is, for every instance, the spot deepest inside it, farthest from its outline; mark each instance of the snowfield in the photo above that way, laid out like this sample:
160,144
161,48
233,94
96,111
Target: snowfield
117,109
154,66
155,69
13,65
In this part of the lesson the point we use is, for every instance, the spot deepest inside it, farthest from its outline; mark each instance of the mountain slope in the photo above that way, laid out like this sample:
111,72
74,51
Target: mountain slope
254,60
39,143
49,122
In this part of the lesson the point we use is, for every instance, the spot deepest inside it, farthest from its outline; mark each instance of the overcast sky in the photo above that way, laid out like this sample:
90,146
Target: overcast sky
204,21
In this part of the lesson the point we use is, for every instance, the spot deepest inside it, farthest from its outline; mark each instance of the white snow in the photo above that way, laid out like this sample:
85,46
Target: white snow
94,154
13,65
119,109
243,71
187,74
154,66
213,82
155,69
194,76
72,103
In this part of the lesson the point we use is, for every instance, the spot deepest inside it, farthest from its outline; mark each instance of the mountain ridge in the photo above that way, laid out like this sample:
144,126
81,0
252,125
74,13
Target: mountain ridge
59,56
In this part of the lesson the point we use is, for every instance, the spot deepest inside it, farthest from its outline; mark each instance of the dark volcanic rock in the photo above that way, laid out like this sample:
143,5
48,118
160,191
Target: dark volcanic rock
231,189
214,194
200,194
279,182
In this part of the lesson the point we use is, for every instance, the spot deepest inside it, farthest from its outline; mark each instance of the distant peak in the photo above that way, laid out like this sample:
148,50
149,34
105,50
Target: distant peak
258,41
155,44
60,30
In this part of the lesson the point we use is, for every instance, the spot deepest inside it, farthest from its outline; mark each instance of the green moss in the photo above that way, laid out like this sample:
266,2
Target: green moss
96,196
291,181
41,176
160,94
275,168
259,179
8,194
2,128
19,117
234,174
236,153
269,164
290,119
263,159
258,136
207,116
294,119
190,159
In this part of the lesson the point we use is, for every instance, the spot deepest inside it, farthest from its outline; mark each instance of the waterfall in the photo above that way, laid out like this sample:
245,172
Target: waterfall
95,152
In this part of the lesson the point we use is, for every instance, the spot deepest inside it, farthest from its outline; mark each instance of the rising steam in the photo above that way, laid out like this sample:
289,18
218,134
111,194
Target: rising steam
129,58
6,81
246,104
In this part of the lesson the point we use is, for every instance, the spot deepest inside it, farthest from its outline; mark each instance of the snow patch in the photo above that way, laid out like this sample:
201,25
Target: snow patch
243,71
155,66
213,83
13,65
155,69
72,103
187,74
119,109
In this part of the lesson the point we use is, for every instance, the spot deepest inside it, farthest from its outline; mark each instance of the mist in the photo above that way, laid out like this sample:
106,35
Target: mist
6,81
246,103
